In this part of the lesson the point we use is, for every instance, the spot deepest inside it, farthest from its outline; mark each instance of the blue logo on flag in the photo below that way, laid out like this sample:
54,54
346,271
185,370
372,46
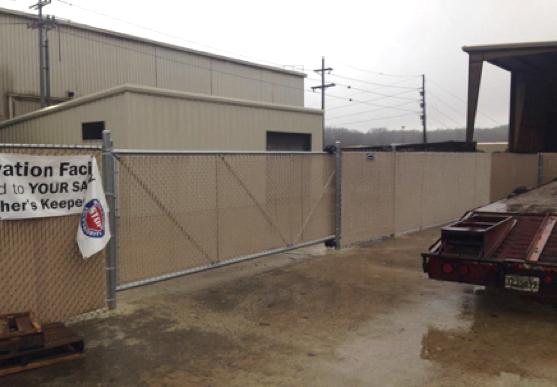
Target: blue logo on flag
93,219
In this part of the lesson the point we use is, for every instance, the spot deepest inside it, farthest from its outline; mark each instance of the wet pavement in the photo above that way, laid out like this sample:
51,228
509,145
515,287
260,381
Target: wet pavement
363,317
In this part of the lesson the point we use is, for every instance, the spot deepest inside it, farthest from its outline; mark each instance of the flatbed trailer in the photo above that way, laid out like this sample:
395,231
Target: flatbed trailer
510,244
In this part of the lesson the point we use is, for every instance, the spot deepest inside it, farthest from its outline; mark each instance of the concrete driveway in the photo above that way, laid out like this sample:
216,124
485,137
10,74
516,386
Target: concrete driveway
363,317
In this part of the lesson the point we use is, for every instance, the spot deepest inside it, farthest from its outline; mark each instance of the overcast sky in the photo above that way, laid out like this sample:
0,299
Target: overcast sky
400,37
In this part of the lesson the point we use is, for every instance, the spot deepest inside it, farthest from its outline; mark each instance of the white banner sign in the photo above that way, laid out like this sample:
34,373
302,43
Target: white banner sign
44,186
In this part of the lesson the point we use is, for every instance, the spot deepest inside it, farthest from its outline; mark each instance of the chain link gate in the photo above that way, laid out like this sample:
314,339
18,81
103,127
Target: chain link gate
182,212
171,213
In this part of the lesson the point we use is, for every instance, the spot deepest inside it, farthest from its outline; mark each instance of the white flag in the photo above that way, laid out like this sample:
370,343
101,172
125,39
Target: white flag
93,232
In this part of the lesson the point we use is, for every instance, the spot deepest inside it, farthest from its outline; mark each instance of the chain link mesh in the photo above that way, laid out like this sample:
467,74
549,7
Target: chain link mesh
41,267
179,212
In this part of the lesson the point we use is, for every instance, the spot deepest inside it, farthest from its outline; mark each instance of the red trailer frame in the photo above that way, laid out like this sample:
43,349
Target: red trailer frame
514,251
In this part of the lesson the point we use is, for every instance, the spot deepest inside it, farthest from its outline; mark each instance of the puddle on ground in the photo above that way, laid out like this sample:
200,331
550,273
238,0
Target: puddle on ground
390,347
509,334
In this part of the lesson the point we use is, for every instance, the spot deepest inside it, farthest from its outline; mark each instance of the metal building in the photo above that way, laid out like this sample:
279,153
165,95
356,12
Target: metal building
147,117
533,108
150,94
85,60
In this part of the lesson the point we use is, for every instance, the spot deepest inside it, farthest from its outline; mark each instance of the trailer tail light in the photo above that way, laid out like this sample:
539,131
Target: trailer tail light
479,273
518,266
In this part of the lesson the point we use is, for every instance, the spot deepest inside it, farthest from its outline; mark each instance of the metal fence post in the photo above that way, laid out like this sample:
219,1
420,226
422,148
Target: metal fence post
338,194
110,192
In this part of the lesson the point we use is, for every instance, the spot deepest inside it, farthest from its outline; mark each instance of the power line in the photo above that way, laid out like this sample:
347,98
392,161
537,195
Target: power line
43,25
323,87
448,92
189,64
380,107
369,91
381,73
146,28
375,119
446,116
360,102
178,61
423,116
442,101
369,100
439,121
463,101
382,85
172,59
448,105
373,92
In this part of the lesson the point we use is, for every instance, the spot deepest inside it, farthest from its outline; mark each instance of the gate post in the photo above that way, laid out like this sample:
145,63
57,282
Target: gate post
110,192
338,194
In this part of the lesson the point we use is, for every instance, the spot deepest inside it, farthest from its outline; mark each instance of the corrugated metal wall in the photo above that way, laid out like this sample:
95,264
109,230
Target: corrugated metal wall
85,62
64,127
162,122
166,122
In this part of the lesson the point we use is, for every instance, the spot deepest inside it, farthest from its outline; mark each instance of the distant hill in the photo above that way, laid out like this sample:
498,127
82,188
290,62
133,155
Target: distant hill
382,136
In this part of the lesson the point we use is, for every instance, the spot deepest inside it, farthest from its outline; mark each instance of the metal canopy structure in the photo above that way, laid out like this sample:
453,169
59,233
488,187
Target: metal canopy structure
533,107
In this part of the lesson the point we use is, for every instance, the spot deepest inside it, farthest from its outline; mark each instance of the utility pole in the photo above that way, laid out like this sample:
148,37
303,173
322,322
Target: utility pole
323,87
424,111
43,25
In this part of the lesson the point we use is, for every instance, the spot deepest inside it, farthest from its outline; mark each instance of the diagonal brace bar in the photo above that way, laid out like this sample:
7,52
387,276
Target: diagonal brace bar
312,211
165,210
258,205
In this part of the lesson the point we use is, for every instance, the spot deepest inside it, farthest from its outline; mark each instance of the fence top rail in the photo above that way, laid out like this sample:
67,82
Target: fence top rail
138,152
51,146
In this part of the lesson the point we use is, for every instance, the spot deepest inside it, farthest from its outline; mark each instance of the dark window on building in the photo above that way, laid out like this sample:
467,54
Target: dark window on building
92,130
284,141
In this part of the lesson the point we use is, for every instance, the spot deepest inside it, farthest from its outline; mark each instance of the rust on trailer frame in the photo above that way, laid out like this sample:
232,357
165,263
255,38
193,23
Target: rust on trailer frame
539,242
477,235
510,244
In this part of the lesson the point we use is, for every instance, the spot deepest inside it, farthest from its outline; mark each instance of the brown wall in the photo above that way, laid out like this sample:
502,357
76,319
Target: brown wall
512,170
400,192
407,191
368,196
549,167
533,114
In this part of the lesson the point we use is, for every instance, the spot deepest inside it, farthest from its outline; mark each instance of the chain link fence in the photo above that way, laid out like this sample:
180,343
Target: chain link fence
41,268
183,212
178,212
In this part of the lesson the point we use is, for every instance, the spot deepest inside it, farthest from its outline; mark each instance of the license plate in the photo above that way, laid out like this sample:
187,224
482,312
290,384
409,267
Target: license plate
522,283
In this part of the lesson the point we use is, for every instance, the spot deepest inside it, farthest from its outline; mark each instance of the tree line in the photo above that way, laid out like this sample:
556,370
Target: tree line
383,136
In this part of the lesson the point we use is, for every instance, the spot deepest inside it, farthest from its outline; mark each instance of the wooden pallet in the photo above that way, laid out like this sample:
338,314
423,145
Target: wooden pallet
19,331
60,344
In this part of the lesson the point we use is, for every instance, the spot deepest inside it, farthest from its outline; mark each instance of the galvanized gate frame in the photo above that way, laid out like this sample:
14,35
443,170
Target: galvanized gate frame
110,187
